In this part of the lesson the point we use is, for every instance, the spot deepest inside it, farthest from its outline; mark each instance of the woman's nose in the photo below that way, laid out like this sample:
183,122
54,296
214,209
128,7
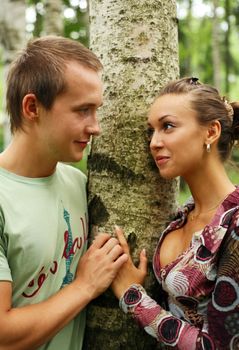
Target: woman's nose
156,141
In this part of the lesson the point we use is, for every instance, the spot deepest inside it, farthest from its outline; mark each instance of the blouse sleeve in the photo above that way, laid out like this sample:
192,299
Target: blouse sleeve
222,312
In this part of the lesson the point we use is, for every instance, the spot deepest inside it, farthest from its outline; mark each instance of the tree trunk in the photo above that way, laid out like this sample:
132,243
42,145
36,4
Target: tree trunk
136,41
12,38
188,40
228,59
216,47
53,19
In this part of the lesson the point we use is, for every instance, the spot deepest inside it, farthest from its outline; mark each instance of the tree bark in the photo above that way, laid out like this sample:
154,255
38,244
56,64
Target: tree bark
12,39
137,43
53,19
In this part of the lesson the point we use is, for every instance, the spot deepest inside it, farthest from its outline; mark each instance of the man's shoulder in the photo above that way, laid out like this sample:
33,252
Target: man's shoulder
67,170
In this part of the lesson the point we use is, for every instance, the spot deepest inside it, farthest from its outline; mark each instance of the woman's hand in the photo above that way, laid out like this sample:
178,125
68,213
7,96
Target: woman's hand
100,264
128,274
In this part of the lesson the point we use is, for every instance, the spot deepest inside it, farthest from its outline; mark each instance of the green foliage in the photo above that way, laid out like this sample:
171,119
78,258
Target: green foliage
75,25
195,43
194,47
1,87
232,171
82,165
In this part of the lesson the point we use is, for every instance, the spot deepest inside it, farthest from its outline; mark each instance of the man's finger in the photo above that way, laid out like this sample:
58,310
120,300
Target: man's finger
121,260
110,244
100,240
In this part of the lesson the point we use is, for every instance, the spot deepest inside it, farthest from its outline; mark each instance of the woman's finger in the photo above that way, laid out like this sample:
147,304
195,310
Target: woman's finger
143,261
121,238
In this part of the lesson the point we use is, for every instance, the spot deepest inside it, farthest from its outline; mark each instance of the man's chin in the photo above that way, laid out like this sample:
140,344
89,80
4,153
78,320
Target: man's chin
72,159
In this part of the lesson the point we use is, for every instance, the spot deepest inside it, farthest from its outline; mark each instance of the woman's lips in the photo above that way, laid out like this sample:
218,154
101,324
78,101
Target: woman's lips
160,160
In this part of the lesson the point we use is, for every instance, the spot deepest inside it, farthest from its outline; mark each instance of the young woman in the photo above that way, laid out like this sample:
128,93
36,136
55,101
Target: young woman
192,131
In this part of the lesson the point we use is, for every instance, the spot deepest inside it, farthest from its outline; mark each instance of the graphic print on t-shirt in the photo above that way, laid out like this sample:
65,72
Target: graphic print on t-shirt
70,246
68,250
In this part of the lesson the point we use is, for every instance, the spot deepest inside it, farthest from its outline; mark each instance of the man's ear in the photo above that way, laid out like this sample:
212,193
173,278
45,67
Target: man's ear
213,132
30,107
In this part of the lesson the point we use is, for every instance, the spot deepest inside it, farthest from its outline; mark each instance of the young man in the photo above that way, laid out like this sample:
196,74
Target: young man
54,91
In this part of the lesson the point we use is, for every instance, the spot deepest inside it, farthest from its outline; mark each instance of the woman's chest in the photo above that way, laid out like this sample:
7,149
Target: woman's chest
185,266
178,241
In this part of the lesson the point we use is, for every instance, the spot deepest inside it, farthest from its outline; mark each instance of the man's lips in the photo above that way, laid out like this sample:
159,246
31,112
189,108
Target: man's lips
83,144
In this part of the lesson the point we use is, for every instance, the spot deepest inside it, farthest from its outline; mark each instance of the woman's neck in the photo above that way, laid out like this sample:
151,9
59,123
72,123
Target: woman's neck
210,187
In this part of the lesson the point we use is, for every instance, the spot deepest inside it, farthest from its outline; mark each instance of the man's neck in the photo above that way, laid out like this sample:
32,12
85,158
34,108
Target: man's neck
23,158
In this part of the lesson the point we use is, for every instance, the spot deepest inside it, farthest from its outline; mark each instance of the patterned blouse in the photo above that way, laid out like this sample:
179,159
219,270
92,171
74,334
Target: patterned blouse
201,287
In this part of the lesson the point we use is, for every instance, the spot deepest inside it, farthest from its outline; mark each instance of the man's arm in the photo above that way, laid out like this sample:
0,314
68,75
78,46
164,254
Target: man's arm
30,326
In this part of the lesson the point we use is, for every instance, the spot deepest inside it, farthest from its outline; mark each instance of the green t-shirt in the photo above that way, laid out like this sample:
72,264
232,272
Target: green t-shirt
43,234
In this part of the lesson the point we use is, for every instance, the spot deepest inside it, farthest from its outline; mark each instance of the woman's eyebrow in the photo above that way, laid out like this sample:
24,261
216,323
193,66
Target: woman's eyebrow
165,116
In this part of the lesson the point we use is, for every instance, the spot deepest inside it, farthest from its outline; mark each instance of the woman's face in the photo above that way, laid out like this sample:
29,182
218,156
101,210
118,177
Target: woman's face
177,140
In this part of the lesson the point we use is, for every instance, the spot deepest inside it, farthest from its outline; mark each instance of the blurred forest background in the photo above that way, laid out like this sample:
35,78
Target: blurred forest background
208,41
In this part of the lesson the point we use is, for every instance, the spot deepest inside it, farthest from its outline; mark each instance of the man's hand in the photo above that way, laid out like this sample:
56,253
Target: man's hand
128,274
100,264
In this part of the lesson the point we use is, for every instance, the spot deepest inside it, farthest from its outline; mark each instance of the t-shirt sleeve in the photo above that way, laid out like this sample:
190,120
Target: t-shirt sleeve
5,273
222,310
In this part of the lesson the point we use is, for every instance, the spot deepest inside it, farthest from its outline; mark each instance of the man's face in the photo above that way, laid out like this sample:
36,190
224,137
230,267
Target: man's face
67,127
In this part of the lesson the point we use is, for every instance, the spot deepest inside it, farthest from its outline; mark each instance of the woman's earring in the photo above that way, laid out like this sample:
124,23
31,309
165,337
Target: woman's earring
208,148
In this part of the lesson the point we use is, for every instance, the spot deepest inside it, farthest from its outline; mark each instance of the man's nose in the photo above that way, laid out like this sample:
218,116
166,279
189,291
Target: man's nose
94,128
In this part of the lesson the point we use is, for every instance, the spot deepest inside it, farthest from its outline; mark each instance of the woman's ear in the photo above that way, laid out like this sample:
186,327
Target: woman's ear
213,132
30,107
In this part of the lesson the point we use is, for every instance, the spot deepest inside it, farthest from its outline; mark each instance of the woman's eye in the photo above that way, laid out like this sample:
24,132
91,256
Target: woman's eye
167,126
150,132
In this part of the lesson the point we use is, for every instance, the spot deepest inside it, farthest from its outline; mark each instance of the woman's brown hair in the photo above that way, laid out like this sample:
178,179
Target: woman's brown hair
209,105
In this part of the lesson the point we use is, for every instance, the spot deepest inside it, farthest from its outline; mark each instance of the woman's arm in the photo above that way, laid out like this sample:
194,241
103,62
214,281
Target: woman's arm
223,318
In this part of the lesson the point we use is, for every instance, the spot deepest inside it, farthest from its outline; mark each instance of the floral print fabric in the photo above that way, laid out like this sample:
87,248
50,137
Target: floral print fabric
201,287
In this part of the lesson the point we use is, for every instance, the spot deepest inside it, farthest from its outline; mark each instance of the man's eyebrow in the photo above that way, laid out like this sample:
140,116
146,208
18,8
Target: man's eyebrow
84,105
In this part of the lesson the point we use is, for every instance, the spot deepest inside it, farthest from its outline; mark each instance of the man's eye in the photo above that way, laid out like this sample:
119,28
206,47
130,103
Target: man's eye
84,110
